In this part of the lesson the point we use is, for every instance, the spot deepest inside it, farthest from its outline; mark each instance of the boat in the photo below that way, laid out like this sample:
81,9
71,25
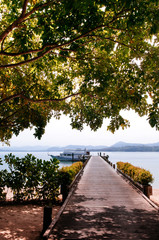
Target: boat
72,155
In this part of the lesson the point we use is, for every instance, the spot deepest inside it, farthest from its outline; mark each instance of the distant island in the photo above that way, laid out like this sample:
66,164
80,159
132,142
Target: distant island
117,147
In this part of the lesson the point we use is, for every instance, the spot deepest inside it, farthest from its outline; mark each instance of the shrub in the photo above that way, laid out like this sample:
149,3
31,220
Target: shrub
145,177
50,180
139,175
32,178
120,165
67,174
2,182
15,178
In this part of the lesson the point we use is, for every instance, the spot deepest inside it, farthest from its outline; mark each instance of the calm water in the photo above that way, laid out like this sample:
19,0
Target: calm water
40,155
147,160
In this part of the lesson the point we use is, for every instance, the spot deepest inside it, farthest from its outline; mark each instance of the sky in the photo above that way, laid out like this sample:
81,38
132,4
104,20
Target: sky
60,133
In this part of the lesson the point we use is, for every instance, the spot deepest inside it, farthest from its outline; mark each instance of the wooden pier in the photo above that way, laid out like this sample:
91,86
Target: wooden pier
104,206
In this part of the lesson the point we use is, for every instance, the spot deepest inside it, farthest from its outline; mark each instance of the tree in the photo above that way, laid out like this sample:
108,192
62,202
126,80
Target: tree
78,58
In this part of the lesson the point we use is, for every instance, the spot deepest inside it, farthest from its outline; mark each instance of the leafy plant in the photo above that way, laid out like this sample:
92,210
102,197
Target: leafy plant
2,182
32,178
139,175
49,182
15,179
67,174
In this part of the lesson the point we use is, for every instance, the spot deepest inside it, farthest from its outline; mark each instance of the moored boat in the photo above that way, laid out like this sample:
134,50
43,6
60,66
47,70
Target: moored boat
72,155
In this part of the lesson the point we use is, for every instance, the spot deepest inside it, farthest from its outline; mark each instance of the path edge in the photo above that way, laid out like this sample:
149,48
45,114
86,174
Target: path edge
153,204
72,188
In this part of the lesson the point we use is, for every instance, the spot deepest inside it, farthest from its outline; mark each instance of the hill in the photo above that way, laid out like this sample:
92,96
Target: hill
119,146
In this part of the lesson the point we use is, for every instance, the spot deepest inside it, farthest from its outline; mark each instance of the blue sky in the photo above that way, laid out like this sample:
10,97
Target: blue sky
60,133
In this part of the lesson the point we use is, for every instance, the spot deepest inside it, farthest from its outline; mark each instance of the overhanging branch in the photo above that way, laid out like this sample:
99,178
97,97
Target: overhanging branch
22,17
21,95
24,7
50,46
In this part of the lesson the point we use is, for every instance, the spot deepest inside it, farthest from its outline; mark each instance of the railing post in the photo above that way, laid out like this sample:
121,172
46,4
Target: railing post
147,190
107,157
47,218
64,191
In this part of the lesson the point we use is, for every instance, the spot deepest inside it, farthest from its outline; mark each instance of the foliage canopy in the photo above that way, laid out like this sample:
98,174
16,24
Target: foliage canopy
78,58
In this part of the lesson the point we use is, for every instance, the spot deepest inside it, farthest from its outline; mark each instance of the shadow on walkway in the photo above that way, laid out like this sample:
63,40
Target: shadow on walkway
104,206
106,223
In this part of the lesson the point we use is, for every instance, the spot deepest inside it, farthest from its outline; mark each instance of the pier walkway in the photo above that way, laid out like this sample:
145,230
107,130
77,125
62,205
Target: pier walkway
104,206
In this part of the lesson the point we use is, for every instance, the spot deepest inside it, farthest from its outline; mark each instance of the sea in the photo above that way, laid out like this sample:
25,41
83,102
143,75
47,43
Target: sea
146,160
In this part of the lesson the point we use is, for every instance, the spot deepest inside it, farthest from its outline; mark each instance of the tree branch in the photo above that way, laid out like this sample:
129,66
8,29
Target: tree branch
22,17
2,45
10,98
51,46
21,95
24,62
24,7
108,38
40,6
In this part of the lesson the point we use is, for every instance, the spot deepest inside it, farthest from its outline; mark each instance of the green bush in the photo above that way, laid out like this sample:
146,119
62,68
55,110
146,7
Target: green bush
35,179
139,175
23,176
50,180
31,178
67,174
2,182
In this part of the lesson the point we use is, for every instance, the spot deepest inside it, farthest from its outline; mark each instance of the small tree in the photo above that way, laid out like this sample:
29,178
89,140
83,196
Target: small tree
32,178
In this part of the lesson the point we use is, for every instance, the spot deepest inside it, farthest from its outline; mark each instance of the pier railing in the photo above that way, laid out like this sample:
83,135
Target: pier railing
107,160
146,189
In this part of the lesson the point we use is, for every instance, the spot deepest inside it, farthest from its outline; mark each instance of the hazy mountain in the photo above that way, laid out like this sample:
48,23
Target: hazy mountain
25,148
140,148
88,147
124,144
153,144
119,146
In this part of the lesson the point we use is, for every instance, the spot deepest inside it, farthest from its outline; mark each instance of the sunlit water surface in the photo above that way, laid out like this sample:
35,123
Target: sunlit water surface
147,160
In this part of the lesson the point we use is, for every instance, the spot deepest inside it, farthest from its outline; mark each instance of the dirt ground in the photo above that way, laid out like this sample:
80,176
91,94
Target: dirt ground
22,222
